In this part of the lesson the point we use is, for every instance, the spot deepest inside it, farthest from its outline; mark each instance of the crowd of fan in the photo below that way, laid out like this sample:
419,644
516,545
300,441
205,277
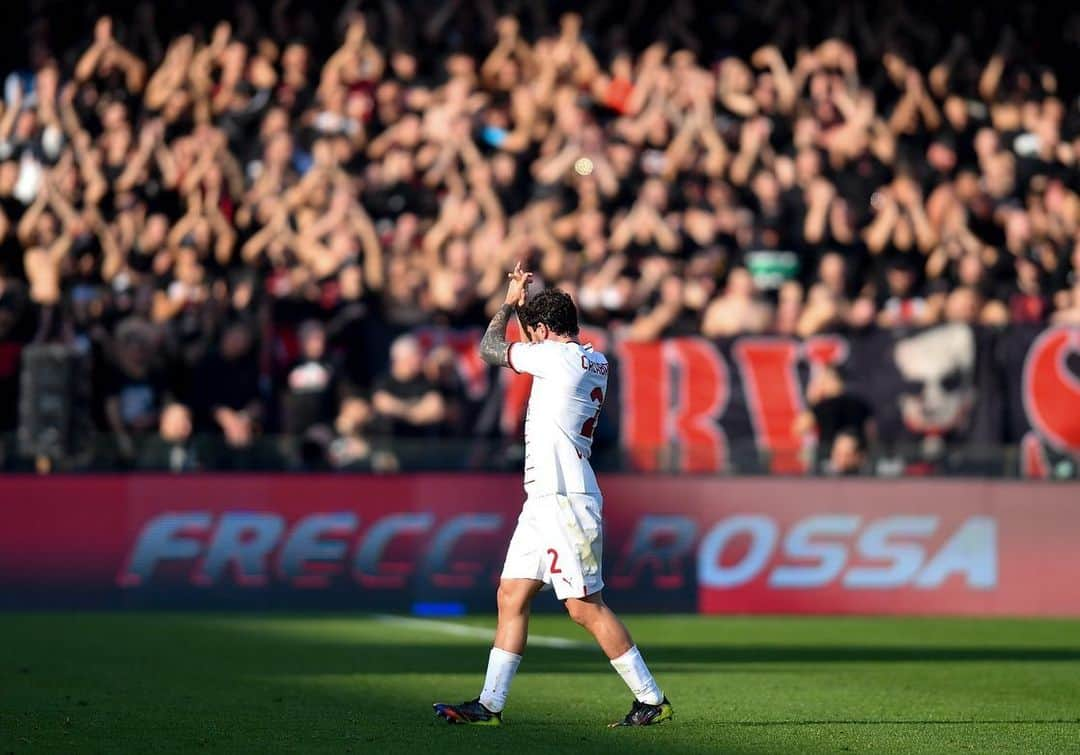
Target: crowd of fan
235,225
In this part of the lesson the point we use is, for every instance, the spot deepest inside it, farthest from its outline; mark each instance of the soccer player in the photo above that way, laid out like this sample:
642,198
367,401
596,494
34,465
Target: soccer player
558,538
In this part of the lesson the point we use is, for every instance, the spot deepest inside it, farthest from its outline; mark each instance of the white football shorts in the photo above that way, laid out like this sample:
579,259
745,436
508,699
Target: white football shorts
559,541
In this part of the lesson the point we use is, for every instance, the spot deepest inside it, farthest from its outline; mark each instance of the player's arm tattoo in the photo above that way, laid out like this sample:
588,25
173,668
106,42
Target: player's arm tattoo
493,346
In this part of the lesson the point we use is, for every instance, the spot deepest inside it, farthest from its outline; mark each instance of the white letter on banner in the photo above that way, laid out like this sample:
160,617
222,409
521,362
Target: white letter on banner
830,557
306,544
972,551
245,540
904,558
762,532
164,538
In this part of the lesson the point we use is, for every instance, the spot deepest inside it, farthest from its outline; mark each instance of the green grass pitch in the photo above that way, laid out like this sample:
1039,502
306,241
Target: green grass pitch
163,683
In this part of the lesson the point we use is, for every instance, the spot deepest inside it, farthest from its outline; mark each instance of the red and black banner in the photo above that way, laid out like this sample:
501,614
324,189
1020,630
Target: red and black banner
695,405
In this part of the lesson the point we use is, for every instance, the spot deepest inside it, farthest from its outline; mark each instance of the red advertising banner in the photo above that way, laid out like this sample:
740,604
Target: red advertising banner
864,546
672,543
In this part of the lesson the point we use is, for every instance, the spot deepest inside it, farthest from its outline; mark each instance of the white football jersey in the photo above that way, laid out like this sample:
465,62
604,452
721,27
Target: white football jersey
568,390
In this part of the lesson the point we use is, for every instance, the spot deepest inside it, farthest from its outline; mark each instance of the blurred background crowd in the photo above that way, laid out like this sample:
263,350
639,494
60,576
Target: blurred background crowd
239,219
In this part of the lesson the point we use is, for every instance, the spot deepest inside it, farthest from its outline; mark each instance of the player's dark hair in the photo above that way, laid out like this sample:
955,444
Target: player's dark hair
553,308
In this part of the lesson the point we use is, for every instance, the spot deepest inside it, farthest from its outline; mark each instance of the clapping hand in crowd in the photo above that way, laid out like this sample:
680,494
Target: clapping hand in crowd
330,169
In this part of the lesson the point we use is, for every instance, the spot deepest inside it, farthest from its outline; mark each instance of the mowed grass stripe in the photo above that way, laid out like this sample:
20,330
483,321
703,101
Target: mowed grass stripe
168,683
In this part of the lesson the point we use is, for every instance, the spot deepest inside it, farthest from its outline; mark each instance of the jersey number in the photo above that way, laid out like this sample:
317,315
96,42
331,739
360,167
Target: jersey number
554,561
589,427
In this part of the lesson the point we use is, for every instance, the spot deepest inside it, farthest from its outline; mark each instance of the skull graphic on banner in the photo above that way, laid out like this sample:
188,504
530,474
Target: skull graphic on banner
938,367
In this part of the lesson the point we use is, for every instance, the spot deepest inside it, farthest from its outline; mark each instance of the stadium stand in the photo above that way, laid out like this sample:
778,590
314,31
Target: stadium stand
262,227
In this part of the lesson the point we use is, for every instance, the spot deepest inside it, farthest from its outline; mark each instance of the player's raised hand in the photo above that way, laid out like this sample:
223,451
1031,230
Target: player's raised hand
519,281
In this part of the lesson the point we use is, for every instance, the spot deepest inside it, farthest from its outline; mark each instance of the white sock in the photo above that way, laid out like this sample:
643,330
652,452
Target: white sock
631,667
500,672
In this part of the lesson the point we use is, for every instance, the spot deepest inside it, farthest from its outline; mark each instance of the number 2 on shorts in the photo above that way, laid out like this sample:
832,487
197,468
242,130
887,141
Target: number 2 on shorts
554,561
